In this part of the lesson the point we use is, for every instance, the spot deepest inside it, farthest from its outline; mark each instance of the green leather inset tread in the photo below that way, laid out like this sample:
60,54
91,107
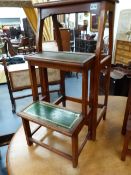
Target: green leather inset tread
64,56
53,114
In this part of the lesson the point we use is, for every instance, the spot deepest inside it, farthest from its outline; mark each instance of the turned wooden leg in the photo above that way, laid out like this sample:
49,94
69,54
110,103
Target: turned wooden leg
125,146
75,150
27,130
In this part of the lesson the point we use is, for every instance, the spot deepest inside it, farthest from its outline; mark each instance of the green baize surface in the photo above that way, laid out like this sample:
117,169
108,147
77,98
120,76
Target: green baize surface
53,114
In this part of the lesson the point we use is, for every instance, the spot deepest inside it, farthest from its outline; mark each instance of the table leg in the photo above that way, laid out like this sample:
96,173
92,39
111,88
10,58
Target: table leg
107,84
84,92
44,83
27,130
75,150
94,99
92,120
125,146
127,111
62,87
33,79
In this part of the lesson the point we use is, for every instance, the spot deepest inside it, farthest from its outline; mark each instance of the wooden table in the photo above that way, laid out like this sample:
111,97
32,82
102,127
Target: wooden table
97,158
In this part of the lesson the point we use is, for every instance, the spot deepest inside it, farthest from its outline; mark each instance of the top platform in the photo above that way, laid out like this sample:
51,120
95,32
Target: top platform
68,2
63,57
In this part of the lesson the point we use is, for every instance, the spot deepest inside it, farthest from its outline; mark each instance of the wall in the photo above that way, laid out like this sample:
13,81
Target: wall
122,5
11,12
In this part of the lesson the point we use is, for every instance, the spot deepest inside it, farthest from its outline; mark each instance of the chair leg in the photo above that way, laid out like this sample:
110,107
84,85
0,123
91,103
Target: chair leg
0,156
62,86
13,106
75,150
5,139
27,130
125,146
123,131
77,75
9,86
107,84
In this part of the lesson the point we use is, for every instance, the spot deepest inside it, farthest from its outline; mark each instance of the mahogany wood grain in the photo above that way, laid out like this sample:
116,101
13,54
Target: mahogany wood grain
93,63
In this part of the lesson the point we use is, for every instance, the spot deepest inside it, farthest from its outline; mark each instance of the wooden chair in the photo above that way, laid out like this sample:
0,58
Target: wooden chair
5,140
27,45
18,78
32,46
126,128
10,49
24,46
65,35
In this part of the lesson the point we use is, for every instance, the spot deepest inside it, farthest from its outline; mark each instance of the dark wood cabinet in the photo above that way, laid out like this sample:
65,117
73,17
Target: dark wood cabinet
123,52
82,45
27,29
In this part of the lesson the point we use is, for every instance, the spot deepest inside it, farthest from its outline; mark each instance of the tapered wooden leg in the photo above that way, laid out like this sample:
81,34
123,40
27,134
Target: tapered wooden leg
125,146
75,150
107,84
62,87
44,83
94,102
123,131
9,86
127,111
27,130
13,105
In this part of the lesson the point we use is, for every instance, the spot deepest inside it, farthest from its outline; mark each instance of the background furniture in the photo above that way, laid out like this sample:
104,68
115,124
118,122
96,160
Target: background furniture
123,38
84,45
26,45
10,50
17,75
119,80
66,37
126,128
80,31
123,52
107,148
18,79
5,139
28,32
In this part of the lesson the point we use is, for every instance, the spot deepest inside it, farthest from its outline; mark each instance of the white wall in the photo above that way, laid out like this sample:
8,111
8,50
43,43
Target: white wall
12,12
123,4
